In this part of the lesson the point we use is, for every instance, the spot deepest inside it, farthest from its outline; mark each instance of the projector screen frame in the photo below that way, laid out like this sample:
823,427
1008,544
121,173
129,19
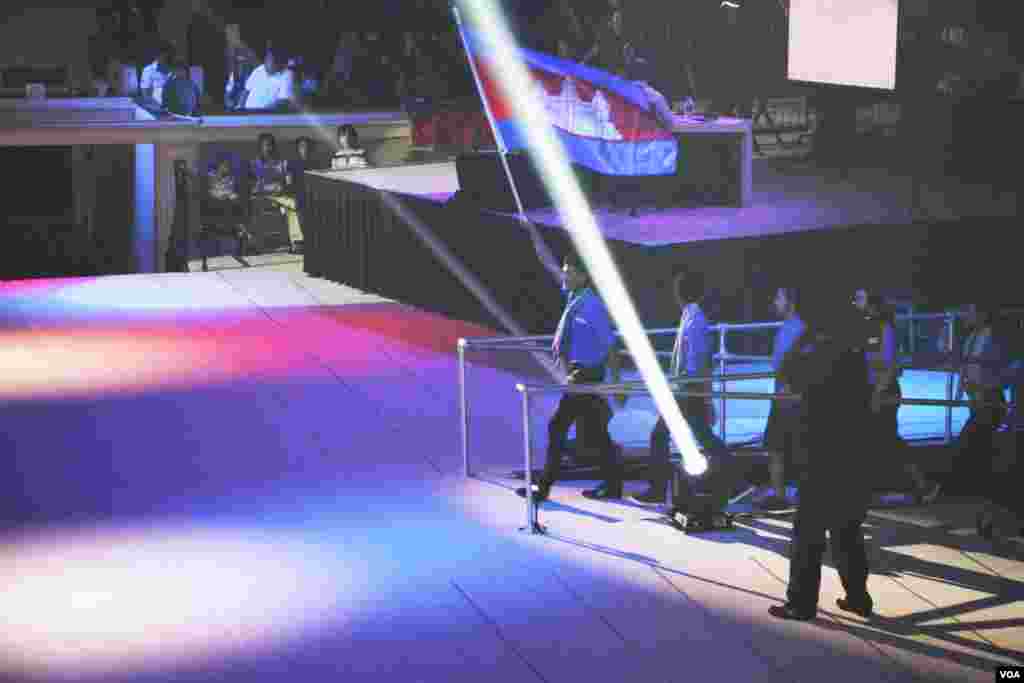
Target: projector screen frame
844,87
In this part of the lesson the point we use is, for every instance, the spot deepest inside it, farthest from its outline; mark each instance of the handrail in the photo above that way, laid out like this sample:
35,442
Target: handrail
637,389
715,327
619,390
723,358
526,390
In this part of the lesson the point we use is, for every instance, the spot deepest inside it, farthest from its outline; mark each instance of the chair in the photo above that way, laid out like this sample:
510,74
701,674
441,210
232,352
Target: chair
224,218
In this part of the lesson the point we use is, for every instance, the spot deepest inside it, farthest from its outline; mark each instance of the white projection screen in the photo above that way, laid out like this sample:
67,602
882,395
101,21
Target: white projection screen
844,42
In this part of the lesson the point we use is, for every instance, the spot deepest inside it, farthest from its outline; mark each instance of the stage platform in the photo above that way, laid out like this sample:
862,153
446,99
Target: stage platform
805,225
789,195
253,476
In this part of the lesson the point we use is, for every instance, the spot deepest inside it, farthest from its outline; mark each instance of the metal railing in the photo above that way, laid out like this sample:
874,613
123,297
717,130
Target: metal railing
722,359
637,388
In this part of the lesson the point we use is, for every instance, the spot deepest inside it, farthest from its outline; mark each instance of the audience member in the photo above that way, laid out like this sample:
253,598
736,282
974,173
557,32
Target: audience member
610,50
345,54
827,366
348,155
419,83
104,53
224,201
136,32
296,177
243,62
156,74
784,432
271,85
181,95
558,24
207,43
293,200
564,50
222,181
268,170
306,78
376,72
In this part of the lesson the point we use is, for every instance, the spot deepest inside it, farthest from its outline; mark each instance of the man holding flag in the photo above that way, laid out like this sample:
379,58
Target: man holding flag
583,343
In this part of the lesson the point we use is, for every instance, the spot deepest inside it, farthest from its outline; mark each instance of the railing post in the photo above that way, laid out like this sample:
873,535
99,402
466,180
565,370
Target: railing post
722,364
531,509
463,409
950,340
911,331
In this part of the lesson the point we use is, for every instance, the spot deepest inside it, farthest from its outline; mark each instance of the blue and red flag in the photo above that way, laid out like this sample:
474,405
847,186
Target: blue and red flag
606,123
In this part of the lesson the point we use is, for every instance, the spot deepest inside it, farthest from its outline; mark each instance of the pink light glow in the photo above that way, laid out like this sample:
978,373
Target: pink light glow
119,355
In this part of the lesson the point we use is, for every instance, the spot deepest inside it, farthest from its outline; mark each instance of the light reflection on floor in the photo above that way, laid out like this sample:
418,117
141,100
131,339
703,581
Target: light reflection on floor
108,600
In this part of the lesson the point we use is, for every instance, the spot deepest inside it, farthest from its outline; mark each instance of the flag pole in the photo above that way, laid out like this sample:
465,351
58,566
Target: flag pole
547,259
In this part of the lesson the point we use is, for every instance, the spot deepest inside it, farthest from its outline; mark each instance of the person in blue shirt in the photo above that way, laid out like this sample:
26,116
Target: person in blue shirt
583,343
782,436
883,375
691,356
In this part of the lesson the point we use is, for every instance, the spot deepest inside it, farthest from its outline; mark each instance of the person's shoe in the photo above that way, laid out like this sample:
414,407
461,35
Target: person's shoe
864,607
654,495
927,495
774,504
540,493
605,491
787,611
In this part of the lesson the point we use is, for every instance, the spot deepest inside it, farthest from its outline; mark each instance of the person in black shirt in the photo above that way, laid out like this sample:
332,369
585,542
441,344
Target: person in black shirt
207,44
104,52
611,51
828,368
181,95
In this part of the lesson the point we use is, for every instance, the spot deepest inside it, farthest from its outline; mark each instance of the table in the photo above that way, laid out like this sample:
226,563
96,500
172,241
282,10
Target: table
737,132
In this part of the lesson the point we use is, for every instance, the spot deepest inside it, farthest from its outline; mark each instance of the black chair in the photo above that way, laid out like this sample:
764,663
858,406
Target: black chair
225,218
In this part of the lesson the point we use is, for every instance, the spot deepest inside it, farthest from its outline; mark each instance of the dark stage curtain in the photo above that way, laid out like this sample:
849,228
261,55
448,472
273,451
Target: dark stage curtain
353,238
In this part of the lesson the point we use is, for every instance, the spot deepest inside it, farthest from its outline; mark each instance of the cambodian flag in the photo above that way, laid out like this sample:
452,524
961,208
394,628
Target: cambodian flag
606,123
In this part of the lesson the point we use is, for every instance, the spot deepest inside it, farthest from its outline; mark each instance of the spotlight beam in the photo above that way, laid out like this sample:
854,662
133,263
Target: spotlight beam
516,86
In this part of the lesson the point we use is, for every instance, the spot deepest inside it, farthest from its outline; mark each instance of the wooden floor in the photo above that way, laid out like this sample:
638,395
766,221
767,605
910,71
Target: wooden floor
251,475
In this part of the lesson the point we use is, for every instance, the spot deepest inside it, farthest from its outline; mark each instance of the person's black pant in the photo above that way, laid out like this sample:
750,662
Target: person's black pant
972,460
695,410
591,414
813,519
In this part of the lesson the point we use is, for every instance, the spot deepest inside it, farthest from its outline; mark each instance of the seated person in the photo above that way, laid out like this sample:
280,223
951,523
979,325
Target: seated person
339,75
181,95
305,77
348,154
268,170
224,194
223,203
155,75
108,82
375,76
243,63
271,85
